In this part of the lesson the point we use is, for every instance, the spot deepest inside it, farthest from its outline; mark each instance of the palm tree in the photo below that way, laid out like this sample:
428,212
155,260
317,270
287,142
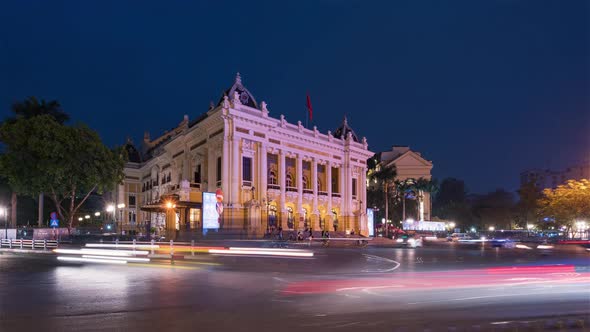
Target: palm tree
385,177
402,187
27,109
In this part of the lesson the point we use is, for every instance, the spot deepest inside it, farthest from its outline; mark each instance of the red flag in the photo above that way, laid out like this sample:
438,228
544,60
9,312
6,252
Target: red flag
309,108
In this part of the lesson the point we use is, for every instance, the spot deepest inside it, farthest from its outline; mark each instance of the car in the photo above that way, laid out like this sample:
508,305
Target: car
409,241
457,236
503,243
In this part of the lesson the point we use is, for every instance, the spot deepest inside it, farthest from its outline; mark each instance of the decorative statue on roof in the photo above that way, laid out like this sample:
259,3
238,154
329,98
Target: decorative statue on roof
236,99
225,102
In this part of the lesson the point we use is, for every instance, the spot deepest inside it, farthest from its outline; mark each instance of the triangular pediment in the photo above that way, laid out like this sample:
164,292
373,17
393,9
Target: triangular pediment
410,159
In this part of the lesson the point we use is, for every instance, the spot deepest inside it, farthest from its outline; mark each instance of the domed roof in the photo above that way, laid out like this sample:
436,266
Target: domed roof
132,153
344,129
245,96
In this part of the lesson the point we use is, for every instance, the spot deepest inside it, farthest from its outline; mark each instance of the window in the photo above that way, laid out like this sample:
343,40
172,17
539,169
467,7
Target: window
131,200
247,169
195,218
198,174
319,184
169,178
272,177
132,217
354,188
304,182
218,174
289,180
335,188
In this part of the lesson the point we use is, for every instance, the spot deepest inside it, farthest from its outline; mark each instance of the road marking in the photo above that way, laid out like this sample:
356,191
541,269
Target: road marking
379,258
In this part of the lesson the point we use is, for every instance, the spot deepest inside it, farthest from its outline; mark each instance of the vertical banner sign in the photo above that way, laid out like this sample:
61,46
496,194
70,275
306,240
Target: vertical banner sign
210,214
370,222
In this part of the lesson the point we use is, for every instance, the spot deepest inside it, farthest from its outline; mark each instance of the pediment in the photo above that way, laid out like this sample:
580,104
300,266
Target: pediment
410,159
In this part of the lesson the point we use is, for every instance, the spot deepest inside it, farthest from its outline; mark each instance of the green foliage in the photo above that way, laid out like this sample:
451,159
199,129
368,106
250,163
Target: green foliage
567,203
527,209
32,107
66,162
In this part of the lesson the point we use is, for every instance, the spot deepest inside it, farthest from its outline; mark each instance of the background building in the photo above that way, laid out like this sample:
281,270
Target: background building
272,172
410,166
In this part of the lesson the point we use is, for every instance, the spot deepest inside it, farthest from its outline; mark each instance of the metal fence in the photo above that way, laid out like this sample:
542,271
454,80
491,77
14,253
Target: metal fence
28,244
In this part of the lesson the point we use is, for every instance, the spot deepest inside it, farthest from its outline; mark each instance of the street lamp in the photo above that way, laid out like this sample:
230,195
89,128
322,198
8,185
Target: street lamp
97,214
87,216
491,228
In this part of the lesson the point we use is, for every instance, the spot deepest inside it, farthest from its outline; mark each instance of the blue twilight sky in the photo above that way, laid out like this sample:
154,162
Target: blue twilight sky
485,89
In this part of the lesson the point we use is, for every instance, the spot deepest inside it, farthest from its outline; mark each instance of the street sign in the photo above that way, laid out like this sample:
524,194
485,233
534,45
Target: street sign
54,222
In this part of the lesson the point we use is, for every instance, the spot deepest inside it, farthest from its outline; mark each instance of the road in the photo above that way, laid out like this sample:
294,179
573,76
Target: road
447,288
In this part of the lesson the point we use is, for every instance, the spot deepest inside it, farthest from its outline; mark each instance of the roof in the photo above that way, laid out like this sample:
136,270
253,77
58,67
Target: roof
245,96
132,152
344,129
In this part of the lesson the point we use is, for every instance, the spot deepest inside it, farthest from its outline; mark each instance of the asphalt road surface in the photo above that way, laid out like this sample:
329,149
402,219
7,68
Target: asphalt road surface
447,288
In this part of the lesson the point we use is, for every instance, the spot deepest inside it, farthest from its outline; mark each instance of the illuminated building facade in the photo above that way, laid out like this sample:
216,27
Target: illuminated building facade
272,172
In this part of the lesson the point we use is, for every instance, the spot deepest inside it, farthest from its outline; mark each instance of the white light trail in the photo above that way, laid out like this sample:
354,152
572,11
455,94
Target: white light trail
90,260
260,253
137,246
127,259
101,252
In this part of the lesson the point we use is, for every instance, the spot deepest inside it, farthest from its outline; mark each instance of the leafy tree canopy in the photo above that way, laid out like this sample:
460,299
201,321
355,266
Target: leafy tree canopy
66,162
567,203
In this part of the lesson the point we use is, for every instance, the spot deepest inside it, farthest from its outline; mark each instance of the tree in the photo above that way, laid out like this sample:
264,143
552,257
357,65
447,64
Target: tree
385,177
567,203
494,209
422,186
527,208
66,162
451,202
28,109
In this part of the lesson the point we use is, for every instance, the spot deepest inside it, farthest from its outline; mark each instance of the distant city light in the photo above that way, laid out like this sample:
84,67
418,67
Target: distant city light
530,226
80,219
121,206
110,208
491,228
409,220
87,216
452,224
473,229
97,214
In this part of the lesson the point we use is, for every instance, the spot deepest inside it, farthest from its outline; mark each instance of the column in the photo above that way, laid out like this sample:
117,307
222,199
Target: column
344,179
262,183
299,181
328,220
236,163
282,177
211,168
225,162
314,180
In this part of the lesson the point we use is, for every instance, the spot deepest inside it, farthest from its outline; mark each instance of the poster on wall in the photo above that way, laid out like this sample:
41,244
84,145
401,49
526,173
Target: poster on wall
210,215
370,222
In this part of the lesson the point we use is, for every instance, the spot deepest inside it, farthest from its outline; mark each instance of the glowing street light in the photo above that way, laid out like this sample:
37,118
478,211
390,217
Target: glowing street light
80,219
530,226
87,216
97,214
110,208
121,206
491,228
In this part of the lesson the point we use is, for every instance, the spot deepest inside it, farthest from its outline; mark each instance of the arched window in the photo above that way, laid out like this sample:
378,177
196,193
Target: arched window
335,219
272,177
289,180
290,218
272,215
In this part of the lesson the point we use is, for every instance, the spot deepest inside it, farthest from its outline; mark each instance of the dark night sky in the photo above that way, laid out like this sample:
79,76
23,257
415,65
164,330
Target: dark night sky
485,89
